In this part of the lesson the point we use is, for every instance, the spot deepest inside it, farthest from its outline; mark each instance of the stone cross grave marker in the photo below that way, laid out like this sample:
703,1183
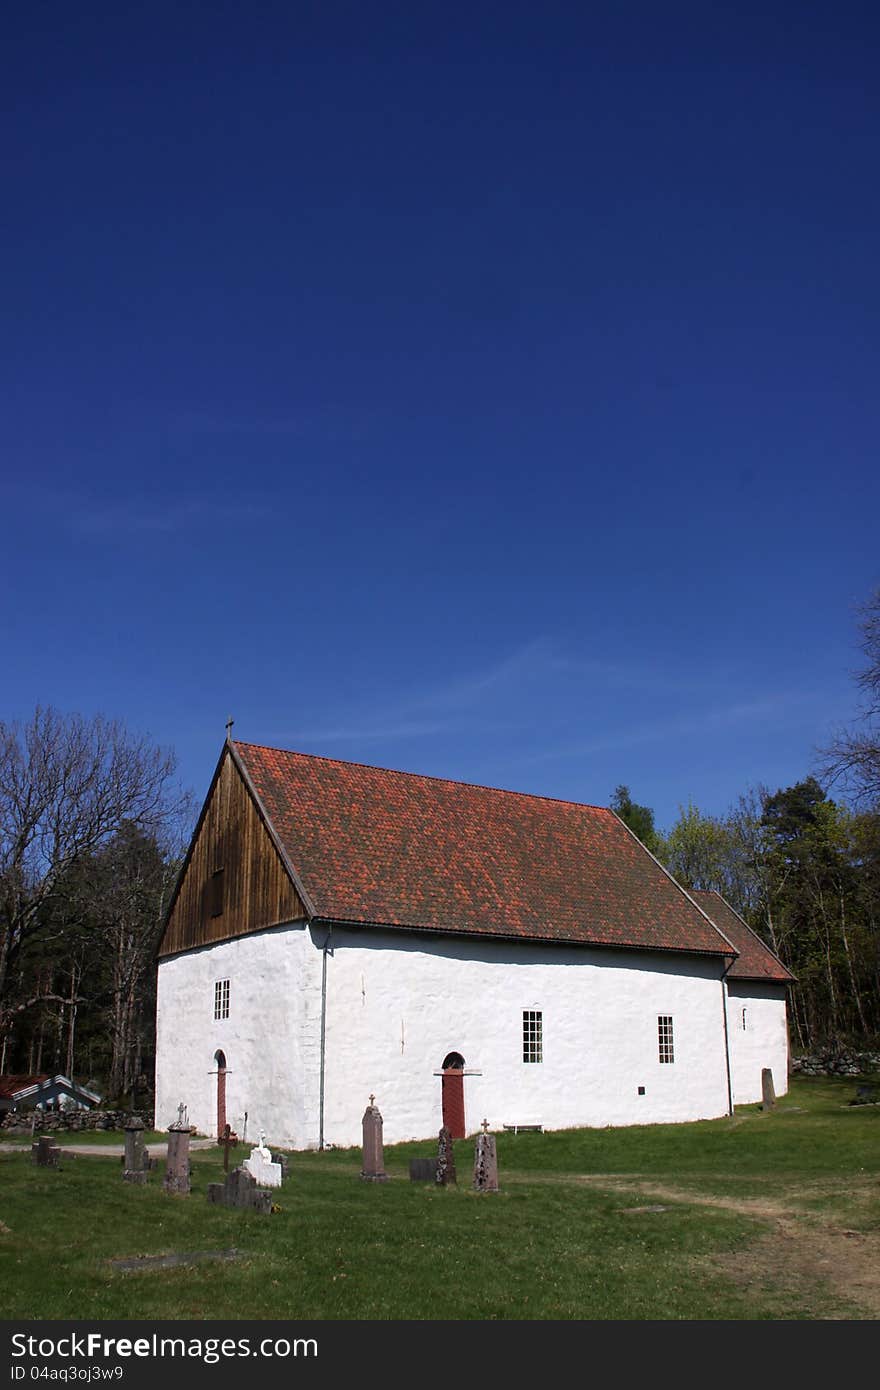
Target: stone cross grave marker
177,1163
374,1159
485,1162
261,1166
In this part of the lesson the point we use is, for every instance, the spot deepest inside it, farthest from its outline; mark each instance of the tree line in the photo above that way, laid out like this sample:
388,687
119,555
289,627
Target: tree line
802,866
92,824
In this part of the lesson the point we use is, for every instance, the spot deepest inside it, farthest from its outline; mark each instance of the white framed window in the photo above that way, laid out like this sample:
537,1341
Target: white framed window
664,1031
532,1035
221,999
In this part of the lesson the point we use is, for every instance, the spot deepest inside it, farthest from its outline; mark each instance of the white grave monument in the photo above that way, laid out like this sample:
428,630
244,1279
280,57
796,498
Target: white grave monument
261,1167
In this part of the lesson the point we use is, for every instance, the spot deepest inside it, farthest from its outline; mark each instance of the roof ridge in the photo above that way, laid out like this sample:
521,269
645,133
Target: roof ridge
425,776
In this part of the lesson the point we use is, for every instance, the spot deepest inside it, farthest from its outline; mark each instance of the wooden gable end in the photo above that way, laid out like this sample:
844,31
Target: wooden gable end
234,881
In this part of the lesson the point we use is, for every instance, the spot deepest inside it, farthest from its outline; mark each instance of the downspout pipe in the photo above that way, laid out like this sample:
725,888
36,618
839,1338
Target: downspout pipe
724,974
325,950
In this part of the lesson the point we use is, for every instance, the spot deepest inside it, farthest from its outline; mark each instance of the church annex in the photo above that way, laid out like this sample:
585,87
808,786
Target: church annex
459,951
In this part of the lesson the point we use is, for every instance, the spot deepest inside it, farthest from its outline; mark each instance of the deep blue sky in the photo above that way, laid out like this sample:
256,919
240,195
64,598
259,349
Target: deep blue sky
484,390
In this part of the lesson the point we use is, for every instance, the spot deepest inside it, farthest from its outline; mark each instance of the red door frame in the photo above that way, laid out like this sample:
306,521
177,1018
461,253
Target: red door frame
452,1095
220,1059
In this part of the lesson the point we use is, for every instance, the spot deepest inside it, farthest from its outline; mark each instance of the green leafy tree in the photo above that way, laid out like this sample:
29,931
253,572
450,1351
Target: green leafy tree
696,851
640,819
824,909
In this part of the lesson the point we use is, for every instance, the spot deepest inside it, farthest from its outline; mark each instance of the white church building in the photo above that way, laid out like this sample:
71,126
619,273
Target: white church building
460,952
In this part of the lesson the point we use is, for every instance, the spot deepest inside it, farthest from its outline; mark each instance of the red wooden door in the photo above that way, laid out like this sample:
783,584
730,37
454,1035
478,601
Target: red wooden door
453,1101
221,1094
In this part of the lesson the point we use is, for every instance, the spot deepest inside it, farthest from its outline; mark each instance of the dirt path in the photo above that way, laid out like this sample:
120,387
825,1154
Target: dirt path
802,1252
107,1150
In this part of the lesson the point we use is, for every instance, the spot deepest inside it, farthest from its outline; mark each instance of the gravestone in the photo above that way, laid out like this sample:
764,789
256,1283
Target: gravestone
374,1160
227,1139
46,1153
261,1167
136,1160
485,1162
239,1189
423,1170
177,1163
866,1095
768,1093
445,1159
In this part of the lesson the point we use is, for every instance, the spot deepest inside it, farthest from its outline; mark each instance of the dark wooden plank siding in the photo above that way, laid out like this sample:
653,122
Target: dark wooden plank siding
256,888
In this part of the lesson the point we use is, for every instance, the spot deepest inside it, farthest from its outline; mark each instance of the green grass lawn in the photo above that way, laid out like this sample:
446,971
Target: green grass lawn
567,1237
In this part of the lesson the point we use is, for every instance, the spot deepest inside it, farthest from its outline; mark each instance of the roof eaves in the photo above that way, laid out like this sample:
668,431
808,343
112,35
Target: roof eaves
46,1081
760,941
532,938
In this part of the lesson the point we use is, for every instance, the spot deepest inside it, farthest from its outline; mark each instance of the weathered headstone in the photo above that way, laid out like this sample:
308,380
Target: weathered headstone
261,1167
485,1162
768,1093
866,1095
227,1139
423,1170
46,1153
239,1190
136,1160
374,1160
177,1162
445,1159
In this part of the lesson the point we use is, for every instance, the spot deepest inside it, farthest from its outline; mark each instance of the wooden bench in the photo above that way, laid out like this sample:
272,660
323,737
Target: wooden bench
524,1129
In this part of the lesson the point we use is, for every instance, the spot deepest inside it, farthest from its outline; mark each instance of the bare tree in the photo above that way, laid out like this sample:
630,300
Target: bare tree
854,757
67,785
127,886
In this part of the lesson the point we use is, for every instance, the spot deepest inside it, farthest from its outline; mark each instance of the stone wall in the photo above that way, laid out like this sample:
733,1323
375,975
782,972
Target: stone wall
835,1061
50,1121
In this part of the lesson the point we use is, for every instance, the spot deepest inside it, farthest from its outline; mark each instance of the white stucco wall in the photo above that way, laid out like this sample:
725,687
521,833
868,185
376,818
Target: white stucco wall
270,1038
398,1002
763,1042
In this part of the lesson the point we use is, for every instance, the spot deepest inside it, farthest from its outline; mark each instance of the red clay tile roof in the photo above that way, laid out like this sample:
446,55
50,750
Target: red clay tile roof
755,961
392,848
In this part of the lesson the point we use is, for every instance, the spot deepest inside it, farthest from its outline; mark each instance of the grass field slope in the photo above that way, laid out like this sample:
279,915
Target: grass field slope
757,1217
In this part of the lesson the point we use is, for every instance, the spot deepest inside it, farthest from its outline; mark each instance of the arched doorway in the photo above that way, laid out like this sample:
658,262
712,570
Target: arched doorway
220,1059
453,1094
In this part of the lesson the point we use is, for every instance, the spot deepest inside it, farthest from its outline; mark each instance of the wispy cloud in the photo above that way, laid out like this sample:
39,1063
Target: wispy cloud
441,708
367,731
519,695
615,675
769,710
